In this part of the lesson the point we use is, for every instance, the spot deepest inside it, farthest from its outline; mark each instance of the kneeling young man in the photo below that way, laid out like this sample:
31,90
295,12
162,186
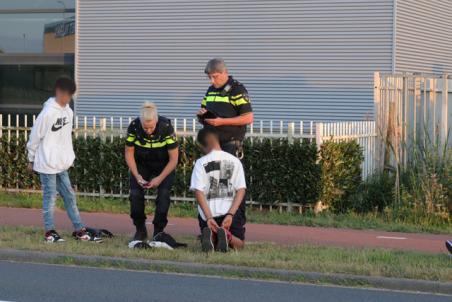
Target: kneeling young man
219,184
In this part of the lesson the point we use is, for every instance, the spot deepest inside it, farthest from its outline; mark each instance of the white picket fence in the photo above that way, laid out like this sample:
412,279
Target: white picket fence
410,109
108,127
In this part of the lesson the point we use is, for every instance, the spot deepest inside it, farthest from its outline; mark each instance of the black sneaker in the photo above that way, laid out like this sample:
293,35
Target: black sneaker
140,235
449,246
222,240
52,237
206,240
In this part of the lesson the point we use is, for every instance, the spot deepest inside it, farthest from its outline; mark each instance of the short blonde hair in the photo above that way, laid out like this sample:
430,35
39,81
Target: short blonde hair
148,112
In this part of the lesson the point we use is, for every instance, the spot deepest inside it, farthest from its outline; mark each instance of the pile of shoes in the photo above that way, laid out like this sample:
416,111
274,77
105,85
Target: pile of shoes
96,235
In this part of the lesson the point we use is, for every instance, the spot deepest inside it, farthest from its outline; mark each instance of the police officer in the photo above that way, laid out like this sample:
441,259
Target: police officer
151,154
226,107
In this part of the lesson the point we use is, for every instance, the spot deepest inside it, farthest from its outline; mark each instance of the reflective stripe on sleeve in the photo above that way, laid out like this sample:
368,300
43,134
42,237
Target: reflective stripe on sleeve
131,138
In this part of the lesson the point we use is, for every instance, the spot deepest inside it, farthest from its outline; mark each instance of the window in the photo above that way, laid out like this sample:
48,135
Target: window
37,42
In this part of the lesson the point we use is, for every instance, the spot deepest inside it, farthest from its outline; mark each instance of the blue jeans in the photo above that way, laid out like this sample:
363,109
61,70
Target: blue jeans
51,184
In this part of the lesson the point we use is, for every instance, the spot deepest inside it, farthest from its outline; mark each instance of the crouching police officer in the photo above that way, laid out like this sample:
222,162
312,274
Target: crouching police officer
226,107
151,154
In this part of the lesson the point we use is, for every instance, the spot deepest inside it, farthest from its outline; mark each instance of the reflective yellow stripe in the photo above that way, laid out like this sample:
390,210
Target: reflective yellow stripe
239,102
203,103
151,145
213,93
236,97
170,141
215,98
156,144
130,138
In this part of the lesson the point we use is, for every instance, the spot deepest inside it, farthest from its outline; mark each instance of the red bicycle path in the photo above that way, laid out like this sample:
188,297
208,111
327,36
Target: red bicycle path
280,234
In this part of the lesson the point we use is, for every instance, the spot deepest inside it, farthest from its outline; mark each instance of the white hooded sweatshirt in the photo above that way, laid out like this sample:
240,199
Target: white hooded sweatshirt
50,143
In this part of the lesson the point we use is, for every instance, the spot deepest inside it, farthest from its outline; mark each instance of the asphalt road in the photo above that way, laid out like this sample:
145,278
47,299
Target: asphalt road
40,282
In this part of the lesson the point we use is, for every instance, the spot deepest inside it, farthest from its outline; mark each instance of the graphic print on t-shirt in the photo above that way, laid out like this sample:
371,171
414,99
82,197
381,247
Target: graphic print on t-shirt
220,173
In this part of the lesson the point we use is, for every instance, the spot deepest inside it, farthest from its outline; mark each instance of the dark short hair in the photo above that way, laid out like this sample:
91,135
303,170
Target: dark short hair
66,84
204,133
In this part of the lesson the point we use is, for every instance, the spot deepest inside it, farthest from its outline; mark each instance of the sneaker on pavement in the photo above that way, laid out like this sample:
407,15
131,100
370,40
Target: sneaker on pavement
449,246
222,240
207,240
53,237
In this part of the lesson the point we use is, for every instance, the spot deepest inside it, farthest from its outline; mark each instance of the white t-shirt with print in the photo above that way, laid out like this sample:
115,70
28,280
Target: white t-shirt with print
219,175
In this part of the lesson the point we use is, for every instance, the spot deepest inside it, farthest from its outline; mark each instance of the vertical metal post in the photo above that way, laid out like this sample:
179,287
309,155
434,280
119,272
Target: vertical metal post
444,110
26,127
290,132
319,135
404,120
9,128
120,130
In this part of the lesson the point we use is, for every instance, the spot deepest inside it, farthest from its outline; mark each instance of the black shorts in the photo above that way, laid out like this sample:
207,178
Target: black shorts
237,227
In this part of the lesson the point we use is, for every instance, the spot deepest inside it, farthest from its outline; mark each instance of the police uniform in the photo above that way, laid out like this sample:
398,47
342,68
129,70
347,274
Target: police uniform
231,100
151,157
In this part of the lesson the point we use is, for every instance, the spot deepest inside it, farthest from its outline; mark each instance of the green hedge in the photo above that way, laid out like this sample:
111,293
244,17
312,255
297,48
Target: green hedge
341,173
276,171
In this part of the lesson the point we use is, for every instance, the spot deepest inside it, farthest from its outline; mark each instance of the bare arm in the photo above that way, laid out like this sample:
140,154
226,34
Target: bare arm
240,194
201,198
227,221
129,154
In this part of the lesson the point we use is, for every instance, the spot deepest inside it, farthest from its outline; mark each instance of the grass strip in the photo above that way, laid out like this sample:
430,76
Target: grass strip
306,257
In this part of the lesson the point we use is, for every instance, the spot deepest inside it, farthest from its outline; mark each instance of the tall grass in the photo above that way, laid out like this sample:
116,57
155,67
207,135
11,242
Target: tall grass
423,186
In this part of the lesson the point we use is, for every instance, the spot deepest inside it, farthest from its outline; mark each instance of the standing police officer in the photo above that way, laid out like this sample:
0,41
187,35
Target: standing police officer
226,107
151,154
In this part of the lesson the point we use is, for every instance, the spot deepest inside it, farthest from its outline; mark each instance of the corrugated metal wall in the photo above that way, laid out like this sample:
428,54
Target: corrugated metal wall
300,59
423,36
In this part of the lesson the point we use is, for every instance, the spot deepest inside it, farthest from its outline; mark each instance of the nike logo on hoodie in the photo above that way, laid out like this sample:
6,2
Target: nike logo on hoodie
60,123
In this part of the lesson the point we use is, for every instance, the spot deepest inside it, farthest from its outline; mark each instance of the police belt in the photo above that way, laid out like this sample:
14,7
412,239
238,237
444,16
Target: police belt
239,153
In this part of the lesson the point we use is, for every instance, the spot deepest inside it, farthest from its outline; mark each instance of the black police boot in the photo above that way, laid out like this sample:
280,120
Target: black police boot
141,234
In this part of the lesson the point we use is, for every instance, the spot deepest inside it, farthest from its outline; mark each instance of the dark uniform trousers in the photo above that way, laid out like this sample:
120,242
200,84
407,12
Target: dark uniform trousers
162,202
229,147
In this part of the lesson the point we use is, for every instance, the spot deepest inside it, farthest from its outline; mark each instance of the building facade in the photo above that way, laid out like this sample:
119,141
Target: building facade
300,59
36,47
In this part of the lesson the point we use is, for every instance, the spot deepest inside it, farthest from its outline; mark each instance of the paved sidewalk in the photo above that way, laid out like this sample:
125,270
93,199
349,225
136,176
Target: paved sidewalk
122,224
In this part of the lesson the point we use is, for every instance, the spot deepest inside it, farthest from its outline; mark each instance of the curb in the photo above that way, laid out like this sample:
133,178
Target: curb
231,270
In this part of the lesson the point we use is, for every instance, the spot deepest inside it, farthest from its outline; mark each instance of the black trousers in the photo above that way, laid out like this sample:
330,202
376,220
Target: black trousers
229,147
237,227
162,202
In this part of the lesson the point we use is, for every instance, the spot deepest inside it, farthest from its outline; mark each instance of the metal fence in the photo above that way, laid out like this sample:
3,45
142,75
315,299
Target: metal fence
108,128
